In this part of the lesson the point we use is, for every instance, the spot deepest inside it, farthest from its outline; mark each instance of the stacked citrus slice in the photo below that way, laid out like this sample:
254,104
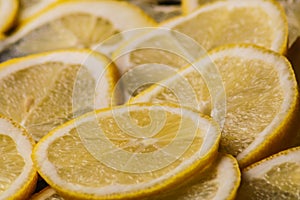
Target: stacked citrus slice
276,177
261,98
76,23
17,175
212,80
258,22
45,90
220,181
126,152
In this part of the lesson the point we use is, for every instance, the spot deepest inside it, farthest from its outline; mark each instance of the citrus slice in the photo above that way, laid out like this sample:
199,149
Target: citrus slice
276,177
261,98
44,90
74,23
28,8
126,152
17,175
47,194
8,14
182,40
220,181
259,22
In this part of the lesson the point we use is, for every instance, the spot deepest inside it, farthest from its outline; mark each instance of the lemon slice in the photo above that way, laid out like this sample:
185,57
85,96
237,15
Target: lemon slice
28,8
44,90
276,177
77,23
17,175
8,14
259,22
182,40
126,152
220,181
47,194
261,98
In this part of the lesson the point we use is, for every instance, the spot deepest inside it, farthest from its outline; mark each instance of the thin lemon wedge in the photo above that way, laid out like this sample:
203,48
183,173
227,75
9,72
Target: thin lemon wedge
18,177
126,152
261,98
44,90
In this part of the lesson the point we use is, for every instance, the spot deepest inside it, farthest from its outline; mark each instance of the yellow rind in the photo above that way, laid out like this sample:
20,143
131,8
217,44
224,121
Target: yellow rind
237,170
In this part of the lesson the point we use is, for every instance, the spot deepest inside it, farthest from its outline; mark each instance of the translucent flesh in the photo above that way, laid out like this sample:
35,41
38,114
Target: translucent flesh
177,92
76,165
223,26
11,162
160,47
280,182
40,97
77,30
253,98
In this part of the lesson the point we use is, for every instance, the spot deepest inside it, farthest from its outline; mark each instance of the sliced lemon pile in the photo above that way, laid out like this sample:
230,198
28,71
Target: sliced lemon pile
259,22
44,90
277,177
261,98
74,23
28,8
17,175
220,181
126,152
8,14
47,194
